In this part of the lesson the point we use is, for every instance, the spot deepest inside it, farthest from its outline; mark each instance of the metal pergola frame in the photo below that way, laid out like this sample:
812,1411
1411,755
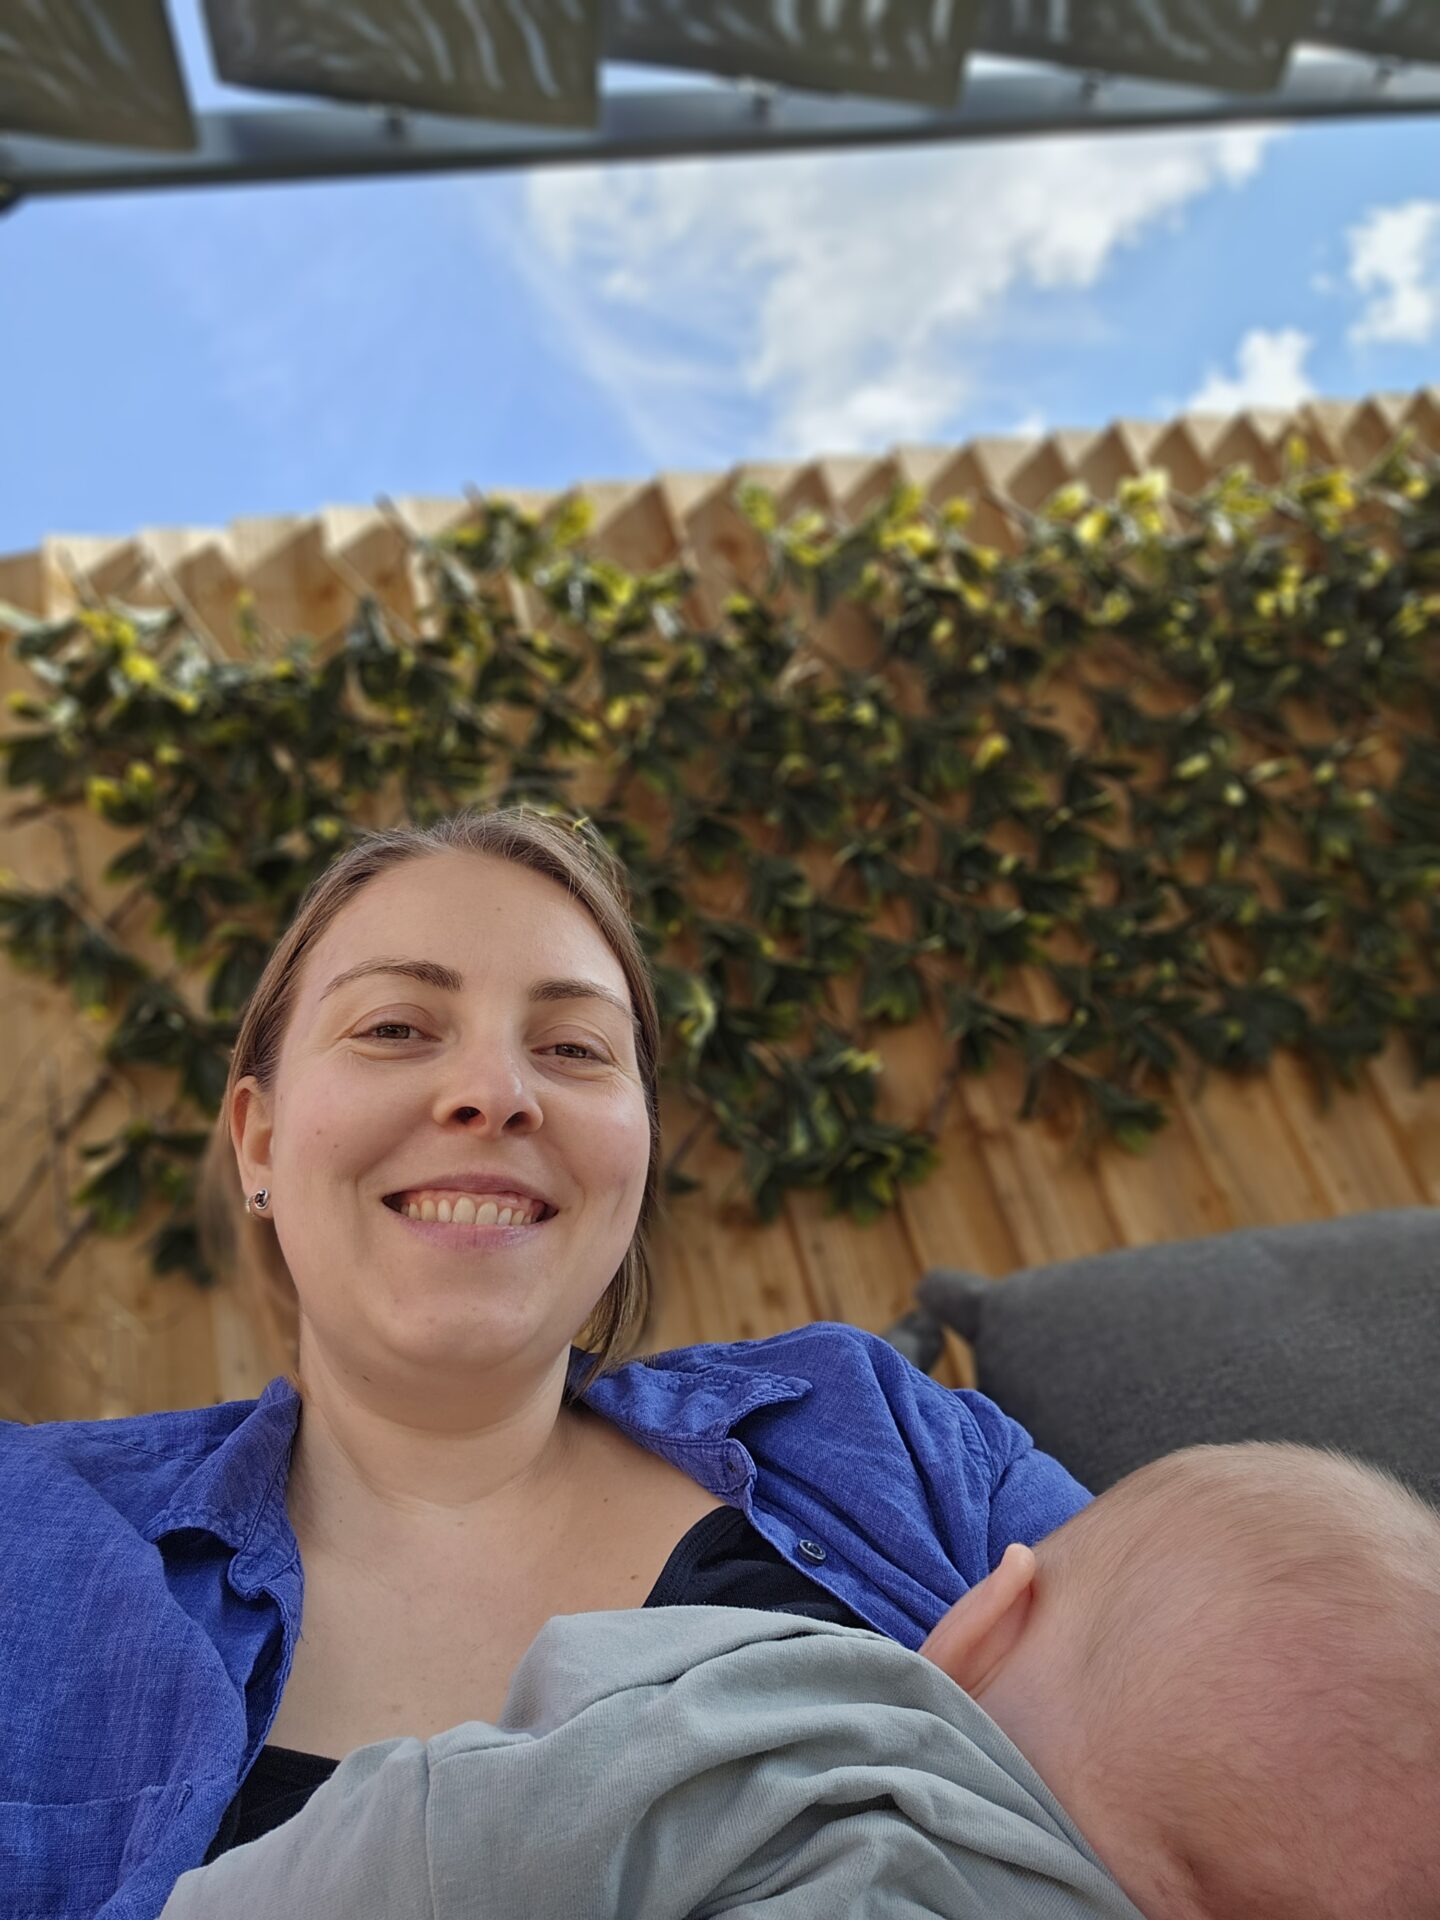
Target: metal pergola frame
248,147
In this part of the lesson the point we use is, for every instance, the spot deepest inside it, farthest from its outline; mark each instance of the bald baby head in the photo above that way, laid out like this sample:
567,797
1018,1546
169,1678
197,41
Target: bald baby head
1231,1666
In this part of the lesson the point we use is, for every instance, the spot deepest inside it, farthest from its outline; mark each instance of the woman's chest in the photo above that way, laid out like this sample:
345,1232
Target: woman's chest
438,1645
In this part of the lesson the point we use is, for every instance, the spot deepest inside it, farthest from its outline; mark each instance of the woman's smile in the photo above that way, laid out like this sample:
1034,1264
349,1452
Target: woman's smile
461,1236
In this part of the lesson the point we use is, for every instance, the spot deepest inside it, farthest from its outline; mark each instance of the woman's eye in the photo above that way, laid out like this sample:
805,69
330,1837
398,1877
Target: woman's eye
376,1032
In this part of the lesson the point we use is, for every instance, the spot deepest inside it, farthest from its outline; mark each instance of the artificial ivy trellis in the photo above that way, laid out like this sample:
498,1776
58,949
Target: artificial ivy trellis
1242,853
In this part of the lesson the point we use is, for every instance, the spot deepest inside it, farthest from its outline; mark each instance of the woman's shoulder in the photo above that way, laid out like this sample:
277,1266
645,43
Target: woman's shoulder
833,1370
169,1430
828,1365
820,1344
129,1458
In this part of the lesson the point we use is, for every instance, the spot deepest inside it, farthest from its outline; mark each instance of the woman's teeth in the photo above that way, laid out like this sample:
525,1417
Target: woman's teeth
463,1210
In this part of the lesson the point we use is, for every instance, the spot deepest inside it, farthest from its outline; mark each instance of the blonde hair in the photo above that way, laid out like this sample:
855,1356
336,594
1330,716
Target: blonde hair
1256,1640
564,850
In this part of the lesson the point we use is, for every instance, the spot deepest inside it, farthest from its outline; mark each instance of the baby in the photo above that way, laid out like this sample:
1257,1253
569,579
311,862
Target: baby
1213,1694
1227,1670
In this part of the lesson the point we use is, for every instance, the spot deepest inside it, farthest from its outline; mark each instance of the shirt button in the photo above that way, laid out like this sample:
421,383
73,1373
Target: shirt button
812,1550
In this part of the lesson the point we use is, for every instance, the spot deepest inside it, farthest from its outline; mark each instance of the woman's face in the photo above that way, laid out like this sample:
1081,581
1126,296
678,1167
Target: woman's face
388,1083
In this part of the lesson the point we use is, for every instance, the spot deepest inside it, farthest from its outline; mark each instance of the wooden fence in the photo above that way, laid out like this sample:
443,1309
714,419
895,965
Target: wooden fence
86,1330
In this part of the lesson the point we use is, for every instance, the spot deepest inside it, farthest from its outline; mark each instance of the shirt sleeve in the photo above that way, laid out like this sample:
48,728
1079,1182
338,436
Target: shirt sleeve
1031,1493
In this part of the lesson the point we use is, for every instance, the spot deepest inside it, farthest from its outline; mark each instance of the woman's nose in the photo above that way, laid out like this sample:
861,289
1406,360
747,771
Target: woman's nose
496,1088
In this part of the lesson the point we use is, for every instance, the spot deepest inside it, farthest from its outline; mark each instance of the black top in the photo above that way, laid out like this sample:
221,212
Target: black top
723,1561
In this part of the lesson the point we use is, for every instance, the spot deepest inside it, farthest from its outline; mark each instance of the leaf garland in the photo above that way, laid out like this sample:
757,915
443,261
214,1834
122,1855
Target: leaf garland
1238,852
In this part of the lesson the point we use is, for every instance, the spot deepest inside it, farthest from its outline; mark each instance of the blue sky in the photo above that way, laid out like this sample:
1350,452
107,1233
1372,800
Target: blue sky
184,358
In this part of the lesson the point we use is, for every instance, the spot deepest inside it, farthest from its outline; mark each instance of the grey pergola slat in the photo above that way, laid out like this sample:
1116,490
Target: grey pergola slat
248,147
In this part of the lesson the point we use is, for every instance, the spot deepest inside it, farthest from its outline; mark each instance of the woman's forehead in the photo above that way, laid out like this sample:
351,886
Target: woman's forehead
462,915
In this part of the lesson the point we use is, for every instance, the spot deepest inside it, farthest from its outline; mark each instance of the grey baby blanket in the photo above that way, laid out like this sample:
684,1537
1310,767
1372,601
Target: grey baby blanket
669,1762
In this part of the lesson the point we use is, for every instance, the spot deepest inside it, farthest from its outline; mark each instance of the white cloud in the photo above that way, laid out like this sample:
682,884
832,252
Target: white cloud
1271,374
1395,260
1030,426
839,299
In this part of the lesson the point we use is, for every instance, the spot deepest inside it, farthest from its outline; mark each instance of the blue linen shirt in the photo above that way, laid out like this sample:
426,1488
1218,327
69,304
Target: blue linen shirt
151,1587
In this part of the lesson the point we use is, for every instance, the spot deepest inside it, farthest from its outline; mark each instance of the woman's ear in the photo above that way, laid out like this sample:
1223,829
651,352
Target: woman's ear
972,1641
251,1129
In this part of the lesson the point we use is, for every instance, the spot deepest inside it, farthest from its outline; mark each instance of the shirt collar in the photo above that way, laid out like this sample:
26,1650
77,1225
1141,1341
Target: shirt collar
684,1395
237,1490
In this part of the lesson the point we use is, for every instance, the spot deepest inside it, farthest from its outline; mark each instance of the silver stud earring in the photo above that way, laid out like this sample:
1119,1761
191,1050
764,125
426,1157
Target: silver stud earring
258,1201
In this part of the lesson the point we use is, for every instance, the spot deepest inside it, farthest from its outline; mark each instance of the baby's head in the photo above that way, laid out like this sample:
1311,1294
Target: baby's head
1227,1670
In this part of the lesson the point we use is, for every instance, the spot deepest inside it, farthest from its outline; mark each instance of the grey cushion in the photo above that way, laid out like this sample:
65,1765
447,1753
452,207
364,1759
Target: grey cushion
1327,1333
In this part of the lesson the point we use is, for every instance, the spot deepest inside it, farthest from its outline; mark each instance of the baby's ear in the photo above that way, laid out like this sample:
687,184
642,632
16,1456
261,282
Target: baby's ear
970,1642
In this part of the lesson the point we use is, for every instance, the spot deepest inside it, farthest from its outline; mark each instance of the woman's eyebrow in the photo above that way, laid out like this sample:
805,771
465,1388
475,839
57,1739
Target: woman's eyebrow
433,974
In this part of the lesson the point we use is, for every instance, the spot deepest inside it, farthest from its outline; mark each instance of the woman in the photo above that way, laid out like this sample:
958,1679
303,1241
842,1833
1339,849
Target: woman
238,1596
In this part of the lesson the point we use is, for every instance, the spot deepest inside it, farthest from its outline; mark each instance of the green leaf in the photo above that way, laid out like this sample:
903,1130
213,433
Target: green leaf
1132,1120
